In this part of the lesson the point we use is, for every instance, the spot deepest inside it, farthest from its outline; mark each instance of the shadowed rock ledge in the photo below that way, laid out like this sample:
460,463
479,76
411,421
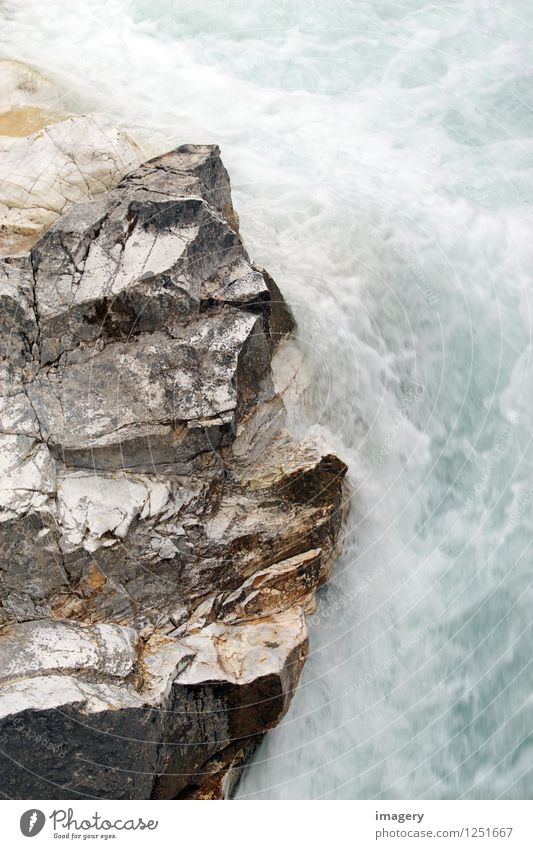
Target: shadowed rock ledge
162,534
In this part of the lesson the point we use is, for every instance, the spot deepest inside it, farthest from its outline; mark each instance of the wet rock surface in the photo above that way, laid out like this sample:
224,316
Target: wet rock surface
162,533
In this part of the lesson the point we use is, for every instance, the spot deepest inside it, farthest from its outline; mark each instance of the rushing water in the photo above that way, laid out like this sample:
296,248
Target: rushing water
382,162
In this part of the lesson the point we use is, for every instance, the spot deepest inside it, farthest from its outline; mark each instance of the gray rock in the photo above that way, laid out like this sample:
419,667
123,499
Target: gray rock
119,728
136,260
161,533
154,400
18,324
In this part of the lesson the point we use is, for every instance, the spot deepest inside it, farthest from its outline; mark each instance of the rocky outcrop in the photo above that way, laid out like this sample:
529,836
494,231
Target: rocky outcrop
48,159
162,533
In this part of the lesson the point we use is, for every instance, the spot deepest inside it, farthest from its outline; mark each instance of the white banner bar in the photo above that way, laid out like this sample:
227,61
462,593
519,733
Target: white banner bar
251,825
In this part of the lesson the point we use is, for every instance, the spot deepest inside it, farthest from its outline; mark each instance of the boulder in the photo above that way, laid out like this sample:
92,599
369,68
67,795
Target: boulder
162,534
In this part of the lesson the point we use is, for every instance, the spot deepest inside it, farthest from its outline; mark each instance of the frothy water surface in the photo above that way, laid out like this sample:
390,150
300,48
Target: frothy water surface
381,159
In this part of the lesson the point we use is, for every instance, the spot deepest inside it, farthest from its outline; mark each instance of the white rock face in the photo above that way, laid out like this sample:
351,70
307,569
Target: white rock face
43,173
92,506
27,475
241,654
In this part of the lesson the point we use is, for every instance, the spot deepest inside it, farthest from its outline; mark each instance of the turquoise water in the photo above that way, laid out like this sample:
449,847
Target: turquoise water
382,161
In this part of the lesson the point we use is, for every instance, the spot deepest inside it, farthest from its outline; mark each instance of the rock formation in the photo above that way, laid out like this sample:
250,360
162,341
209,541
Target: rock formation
162,534
49,159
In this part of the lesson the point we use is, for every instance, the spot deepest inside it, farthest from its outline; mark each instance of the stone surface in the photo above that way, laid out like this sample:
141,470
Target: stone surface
48,159
130,724
162,533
